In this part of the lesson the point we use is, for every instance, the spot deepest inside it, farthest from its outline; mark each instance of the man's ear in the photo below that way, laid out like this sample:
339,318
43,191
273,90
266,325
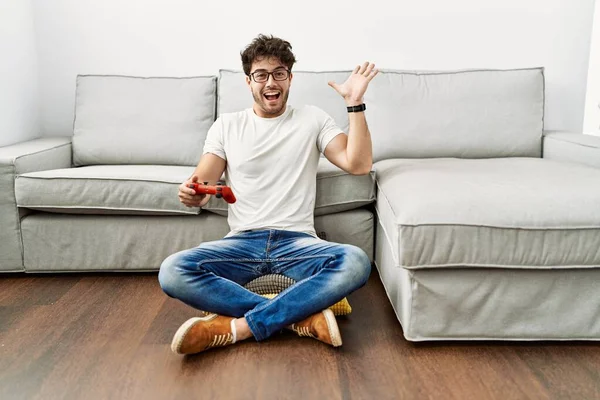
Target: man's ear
248,80
291,76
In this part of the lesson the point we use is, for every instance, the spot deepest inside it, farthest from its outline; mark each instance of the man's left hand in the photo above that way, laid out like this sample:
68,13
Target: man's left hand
355,86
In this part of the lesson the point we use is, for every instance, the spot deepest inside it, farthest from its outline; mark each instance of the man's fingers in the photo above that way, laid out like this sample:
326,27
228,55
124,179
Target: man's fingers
188,196
356,69
190,202
363,68
184,189
372,74
369,69
185,196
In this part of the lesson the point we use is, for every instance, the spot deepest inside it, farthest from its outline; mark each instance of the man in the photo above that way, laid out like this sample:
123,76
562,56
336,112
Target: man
270,155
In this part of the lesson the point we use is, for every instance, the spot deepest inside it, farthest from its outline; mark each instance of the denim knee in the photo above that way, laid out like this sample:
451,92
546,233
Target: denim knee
357,263
167,275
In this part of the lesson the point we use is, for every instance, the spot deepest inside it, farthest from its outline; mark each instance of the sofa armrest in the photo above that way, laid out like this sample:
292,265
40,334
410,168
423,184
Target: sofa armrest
572,147
34,155
37,155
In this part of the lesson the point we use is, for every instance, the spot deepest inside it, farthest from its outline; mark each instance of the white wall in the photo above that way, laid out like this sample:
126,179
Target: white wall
19,109
190,37
592,103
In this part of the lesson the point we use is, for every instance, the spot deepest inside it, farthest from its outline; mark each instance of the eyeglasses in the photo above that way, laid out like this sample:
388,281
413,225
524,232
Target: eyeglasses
280,74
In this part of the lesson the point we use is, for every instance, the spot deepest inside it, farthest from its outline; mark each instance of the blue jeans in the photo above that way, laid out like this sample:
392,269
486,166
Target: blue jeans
211,276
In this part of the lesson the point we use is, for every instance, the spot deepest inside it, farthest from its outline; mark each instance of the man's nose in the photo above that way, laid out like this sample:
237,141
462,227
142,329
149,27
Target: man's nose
270,79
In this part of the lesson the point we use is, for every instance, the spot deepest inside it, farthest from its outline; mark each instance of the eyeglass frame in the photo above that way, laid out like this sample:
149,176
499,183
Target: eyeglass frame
251,75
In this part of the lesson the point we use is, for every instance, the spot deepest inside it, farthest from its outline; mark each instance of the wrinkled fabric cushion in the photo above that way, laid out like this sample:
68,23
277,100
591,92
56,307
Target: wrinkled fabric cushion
152,189
337,191
512,212
491,303
68,242
466,114
105,189
130,120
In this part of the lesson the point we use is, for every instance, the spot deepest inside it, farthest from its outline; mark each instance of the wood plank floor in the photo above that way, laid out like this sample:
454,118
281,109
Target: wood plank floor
107,336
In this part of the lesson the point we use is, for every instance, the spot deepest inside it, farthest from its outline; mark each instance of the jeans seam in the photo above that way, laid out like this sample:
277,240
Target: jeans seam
230,259
276,260
301,257
201,263
265,259
253,327
268,243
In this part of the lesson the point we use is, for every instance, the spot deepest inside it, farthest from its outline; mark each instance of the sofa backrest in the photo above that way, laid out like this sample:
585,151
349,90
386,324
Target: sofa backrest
132,120
465,114
418,114
411,114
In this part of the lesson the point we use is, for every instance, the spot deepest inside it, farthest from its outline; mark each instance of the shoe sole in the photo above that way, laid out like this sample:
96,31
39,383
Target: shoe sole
183,330
334,330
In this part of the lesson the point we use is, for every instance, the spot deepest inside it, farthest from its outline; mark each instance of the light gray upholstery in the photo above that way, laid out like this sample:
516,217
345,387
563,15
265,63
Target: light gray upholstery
491,303
467,114
354,227
130,120
34,155
508,212
152,189
130,242
572,147
105,189
112,242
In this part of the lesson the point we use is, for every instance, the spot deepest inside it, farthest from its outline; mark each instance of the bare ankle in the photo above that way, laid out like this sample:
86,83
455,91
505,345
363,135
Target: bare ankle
242,329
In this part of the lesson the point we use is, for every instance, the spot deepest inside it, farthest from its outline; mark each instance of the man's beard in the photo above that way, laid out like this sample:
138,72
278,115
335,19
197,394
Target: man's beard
262,102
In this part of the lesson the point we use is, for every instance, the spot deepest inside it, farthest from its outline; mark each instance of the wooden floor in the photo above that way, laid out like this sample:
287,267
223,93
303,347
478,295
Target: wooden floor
107,336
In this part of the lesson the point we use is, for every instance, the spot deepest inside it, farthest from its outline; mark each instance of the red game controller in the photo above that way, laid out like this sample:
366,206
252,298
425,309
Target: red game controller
219,190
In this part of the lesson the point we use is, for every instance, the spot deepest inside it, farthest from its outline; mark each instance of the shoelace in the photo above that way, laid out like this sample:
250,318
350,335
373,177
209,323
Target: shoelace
221,340
303,331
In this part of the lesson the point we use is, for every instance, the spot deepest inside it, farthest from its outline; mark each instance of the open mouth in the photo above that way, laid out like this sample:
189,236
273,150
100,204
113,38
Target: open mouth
272,96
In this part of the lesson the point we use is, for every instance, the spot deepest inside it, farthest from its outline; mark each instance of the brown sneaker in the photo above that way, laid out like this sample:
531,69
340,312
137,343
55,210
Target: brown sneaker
199,334
321,326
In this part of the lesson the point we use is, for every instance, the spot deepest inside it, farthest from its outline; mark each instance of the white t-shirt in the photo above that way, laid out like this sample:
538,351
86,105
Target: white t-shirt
272,166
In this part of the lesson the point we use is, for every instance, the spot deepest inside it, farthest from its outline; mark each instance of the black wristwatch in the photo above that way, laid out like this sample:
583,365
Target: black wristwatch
358,108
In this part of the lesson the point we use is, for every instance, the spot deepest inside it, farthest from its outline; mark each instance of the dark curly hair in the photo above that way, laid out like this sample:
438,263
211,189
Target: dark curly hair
267,46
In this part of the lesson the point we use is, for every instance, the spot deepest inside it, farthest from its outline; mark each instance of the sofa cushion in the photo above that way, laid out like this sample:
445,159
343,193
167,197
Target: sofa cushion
308,88
152,189
337,191
67,242
466,114
511,212
129,120
105,189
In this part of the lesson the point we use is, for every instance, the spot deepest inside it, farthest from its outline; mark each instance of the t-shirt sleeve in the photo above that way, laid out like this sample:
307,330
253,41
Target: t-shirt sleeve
214,142
329,130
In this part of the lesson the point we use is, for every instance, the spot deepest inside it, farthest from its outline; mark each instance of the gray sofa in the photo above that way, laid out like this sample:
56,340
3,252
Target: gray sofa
482,225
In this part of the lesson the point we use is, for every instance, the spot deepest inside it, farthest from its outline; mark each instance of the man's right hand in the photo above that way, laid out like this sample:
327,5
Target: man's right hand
188,196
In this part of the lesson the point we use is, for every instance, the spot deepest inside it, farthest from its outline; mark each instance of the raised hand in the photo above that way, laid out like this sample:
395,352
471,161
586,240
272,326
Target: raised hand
356,85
